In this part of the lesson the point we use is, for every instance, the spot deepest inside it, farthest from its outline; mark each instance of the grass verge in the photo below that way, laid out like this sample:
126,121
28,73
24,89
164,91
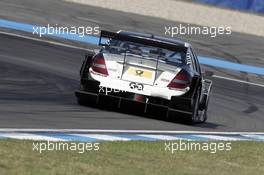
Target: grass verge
18,157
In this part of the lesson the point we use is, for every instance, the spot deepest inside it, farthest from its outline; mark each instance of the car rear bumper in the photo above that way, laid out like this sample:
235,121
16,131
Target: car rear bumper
114,84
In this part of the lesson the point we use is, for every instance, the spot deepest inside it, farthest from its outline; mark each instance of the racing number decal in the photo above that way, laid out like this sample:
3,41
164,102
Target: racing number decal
137,86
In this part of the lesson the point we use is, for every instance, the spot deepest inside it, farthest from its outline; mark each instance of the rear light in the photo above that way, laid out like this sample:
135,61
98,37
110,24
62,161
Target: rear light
181,81
99,65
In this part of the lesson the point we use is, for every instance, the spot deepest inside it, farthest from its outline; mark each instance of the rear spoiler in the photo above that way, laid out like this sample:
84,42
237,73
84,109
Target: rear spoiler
142,40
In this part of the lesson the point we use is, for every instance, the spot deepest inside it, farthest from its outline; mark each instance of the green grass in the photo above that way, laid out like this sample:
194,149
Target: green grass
131,158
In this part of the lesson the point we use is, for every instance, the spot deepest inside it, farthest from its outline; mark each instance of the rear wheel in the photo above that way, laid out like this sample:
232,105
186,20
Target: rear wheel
195,111
203,111
190,118
203,117
195,117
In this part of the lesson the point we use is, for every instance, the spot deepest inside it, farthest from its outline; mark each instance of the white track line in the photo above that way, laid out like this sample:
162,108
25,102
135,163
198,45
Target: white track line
103,137
45,41
25,136
236,80
122,131
254,136
160,137
216,137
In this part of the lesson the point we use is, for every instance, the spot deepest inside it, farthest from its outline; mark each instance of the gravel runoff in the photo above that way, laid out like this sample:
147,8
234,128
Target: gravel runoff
186,12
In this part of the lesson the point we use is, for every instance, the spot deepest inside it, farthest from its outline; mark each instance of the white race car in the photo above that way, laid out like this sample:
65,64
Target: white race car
151,70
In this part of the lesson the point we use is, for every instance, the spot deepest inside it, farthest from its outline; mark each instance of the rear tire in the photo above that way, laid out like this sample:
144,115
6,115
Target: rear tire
194,118
204,108
203,117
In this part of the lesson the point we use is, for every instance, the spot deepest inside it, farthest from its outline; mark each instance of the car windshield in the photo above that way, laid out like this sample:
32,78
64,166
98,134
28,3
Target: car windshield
145,51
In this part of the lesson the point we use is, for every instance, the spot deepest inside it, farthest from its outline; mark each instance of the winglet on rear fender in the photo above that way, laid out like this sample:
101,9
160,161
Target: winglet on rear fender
206,94
208,86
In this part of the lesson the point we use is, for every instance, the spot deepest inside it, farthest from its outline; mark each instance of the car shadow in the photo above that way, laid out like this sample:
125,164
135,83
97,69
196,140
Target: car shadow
137,110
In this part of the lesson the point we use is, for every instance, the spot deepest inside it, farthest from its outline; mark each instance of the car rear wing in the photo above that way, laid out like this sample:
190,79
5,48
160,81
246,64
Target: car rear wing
106,35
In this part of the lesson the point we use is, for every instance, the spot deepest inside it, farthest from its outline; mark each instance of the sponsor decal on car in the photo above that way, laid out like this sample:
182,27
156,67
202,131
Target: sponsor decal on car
140,73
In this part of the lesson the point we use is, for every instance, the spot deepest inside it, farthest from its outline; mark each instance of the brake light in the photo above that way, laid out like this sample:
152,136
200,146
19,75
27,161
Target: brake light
181,81
99,65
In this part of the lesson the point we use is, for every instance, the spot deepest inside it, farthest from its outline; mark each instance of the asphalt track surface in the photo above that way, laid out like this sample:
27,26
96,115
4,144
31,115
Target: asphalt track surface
38,79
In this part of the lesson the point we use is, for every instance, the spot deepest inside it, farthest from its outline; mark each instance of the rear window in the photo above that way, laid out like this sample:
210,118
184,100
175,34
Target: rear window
145,51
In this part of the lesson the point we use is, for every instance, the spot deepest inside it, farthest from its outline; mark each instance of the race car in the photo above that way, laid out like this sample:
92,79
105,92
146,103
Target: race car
154,71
